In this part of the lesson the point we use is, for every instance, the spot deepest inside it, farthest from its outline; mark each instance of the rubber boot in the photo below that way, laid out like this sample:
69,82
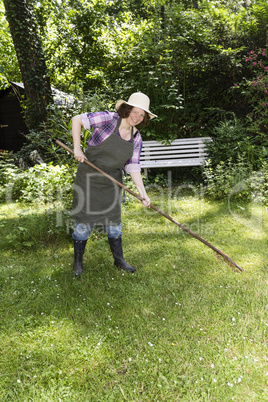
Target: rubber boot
79,248
116,248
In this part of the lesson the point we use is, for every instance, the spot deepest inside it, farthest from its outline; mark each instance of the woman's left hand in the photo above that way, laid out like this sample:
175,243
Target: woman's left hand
137,178
146,201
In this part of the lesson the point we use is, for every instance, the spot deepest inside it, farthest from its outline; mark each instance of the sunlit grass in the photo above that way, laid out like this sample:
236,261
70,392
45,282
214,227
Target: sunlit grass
185,327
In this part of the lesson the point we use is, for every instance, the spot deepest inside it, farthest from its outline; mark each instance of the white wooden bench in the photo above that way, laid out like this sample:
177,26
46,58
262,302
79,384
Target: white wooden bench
181,152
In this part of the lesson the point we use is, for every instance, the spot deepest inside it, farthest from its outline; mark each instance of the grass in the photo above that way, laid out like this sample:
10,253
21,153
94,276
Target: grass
185,327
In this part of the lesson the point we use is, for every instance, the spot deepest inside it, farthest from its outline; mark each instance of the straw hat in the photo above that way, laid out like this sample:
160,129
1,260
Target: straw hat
138,99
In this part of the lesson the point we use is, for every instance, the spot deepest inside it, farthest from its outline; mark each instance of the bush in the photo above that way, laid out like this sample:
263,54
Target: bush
230,141
255,92
236,180
9,174
259,184
48,184
45,183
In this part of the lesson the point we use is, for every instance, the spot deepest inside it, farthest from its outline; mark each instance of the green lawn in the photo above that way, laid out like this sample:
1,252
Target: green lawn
185,327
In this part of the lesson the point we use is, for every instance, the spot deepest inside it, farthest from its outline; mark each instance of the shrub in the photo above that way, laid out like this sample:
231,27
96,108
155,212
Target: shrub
259,184
236,180
45,183
254,92
9,174
230,141
49,184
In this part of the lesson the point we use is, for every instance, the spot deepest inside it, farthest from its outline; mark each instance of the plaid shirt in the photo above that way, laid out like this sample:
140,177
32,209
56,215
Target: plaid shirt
103,124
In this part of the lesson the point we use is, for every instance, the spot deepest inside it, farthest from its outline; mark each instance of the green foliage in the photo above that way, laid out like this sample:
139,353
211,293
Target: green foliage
186,59
9,68
58,127
236,181
47,183
184,56
254,26
254,91
9,174
220,180
230,141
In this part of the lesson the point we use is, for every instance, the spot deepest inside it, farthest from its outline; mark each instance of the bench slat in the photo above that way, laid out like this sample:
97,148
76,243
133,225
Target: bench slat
173,156
181,152
182,141
173,163
169,148
172,151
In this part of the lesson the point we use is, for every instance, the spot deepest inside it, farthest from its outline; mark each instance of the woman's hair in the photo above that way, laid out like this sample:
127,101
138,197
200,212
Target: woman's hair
124,111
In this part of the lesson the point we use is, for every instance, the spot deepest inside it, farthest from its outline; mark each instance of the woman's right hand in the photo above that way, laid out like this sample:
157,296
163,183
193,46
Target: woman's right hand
79,156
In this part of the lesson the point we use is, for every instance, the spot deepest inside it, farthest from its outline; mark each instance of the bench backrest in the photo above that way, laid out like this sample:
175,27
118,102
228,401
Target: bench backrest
181,152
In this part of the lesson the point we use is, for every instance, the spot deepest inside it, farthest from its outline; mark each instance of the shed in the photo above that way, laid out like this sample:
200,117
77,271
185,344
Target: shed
12,124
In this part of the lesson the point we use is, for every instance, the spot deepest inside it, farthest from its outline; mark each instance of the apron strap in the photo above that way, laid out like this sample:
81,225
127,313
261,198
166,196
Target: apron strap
123,170
117,126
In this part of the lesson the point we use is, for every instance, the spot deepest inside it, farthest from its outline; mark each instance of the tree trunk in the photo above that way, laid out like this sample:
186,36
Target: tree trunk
30,58
195,4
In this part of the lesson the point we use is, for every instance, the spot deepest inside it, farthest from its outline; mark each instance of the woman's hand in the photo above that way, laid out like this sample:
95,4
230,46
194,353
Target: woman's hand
146,201
137,178
79,156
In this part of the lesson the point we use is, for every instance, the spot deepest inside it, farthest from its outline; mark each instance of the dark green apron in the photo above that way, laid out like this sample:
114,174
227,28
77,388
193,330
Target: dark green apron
96,199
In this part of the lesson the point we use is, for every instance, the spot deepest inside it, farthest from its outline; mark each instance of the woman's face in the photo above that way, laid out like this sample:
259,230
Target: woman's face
136,116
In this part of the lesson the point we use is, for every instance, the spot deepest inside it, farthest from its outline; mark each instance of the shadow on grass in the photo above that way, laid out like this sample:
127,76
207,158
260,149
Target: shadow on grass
31,229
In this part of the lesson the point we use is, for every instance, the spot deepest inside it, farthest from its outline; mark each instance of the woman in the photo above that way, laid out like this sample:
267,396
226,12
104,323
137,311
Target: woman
115,144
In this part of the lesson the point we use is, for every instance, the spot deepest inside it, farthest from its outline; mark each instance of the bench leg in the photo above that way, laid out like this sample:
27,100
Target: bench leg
146,173
169,175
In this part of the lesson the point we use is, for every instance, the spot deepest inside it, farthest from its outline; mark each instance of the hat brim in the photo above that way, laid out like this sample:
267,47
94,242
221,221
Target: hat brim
121,101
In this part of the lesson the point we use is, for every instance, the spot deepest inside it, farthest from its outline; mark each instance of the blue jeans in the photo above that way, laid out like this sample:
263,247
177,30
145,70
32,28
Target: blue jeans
82,231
